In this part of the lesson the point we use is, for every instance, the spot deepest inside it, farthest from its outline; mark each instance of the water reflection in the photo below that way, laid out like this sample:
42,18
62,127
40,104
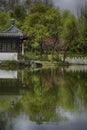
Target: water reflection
8,74
77,68
46,99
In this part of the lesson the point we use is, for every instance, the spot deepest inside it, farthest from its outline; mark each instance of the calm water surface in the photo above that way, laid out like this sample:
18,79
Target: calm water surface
45,99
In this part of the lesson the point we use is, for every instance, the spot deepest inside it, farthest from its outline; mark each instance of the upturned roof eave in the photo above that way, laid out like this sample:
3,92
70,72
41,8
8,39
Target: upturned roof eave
12,28
11,34
11,31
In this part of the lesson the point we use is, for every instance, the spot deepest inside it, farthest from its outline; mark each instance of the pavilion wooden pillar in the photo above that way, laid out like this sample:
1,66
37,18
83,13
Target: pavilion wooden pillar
22,48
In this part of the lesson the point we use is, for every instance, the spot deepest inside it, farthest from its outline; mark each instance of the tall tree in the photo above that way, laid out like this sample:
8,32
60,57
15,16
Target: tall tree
19,13
42,23
4,20
83,29
70,33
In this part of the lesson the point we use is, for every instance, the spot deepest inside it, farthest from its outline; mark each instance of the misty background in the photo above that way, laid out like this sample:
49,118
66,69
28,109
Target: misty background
73,5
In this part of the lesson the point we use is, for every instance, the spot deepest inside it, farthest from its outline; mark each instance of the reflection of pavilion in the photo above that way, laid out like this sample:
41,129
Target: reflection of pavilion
10,85
8,74
10,92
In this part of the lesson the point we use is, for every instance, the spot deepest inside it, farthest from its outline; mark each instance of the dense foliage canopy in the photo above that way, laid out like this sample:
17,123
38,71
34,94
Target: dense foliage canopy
43,21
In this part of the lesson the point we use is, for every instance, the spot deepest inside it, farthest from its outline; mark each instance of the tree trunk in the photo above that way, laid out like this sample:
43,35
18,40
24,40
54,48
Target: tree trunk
65,52
41,50
52,53
47,54
64,56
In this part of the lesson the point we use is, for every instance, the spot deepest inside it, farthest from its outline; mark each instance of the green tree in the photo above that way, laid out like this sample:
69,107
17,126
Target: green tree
42,23
34,28
4,20
19,13
52,20
83,30
70,33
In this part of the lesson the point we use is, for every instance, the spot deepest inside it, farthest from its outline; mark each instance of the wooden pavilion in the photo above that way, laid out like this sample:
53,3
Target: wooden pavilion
11,43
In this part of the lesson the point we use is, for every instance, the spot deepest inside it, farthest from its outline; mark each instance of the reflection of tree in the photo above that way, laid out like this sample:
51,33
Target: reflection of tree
47,91
40,105
74,90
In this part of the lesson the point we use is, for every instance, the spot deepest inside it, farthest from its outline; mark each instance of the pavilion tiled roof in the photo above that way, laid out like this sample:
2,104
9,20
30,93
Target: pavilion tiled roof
12,31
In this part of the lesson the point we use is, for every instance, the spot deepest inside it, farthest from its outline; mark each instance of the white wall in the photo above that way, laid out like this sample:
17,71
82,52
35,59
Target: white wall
8,56
7,74
77,60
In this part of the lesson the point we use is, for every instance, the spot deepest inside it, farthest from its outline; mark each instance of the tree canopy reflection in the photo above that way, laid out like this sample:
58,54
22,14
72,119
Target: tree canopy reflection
48,94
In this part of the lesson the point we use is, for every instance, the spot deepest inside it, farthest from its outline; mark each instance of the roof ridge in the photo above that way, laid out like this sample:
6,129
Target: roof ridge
13,29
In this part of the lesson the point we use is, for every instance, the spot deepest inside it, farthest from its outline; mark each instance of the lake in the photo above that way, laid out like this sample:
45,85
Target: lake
44,99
